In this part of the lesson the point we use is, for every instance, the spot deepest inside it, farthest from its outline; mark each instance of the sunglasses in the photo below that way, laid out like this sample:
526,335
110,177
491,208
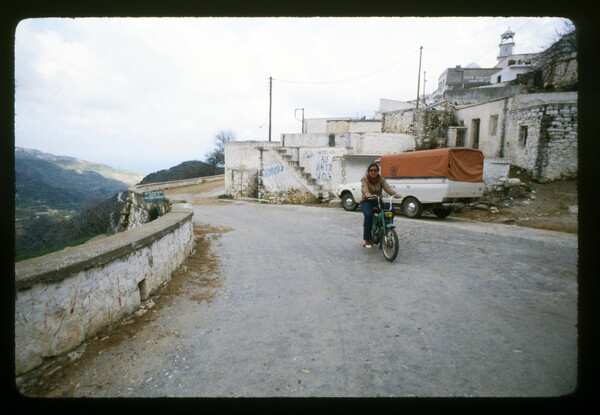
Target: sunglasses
375,170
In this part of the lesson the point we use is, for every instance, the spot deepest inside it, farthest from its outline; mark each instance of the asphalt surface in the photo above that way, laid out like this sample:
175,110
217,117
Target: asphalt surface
304,310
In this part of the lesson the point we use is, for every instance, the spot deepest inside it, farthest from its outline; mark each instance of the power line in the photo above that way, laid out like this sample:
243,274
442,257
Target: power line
434,46
464,36
348,79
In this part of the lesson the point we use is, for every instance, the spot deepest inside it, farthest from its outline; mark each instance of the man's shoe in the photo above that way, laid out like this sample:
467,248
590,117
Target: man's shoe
368,244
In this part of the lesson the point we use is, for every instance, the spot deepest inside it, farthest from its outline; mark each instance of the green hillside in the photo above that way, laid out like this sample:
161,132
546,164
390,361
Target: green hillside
186,170
128,177
44,182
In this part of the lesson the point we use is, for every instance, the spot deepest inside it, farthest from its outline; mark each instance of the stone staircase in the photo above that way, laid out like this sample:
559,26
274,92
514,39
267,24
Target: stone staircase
307,180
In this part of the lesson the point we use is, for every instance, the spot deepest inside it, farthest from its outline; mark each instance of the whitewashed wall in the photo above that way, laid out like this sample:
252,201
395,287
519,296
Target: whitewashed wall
242,163
354,143
280,183
65,297
319,163
489,144
353,126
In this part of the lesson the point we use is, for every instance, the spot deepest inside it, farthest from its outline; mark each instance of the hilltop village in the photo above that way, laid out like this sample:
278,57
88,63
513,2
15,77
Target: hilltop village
522,113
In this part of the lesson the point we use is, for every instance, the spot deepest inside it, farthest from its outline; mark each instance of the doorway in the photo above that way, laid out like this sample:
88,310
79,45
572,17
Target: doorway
475,135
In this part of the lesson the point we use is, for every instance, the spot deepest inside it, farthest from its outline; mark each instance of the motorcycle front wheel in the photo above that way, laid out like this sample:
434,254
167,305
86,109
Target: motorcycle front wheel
390,244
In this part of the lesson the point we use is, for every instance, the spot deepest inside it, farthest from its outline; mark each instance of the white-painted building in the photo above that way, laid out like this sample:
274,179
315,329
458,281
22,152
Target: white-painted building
508,68
537,132
512,65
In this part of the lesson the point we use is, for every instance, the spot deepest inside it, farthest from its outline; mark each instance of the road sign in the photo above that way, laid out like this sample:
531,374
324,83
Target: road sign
154,196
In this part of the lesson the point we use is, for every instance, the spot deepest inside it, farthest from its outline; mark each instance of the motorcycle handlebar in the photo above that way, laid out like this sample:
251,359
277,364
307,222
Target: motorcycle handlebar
375,197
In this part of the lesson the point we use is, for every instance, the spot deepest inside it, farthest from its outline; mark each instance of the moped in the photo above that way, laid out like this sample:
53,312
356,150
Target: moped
384,231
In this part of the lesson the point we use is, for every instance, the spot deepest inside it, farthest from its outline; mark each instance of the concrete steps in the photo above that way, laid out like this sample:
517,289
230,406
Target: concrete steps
306,178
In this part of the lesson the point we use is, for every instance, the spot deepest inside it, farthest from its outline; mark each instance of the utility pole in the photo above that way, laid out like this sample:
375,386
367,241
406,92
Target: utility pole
419,81
270,103
424,82
302,119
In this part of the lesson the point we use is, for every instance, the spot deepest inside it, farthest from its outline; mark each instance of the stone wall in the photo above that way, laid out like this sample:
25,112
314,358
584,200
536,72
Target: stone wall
141,212
549,150
66,297
537,132
427,126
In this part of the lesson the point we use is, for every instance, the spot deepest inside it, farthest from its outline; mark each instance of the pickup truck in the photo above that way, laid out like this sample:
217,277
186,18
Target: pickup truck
439,180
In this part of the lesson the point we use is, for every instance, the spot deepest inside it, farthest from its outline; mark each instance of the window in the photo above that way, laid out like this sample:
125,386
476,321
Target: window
493,124
523,135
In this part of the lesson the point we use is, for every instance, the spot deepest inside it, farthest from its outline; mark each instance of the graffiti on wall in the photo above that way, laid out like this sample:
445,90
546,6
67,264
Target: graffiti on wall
324,169
272,171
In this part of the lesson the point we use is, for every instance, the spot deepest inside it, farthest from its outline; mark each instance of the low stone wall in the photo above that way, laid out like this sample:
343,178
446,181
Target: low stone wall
174,184
66,297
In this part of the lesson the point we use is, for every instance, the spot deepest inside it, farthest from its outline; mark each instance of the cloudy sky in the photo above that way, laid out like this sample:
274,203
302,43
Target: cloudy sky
146,94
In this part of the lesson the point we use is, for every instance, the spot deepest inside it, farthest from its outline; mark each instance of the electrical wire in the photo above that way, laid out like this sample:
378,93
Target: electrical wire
437,45
348,79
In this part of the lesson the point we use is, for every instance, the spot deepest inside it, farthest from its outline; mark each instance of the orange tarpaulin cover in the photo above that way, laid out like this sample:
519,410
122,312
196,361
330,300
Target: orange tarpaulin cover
462,164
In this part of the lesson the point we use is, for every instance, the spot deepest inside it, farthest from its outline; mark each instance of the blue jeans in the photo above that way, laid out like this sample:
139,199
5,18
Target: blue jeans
367,209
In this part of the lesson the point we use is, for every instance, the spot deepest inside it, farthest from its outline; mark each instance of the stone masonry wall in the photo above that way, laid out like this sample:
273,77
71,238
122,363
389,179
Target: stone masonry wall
66,297
241,183
550,149
141,212
427,126
557,153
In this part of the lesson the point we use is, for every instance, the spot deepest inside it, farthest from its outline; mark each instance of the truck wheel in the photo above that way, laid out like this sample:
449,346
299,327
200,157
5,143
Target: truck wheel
412,208
348,202
442,212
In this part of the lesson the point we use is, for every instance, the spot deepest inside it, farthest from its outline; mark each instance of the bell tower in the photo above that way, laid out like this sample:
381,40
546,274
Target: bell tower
506,44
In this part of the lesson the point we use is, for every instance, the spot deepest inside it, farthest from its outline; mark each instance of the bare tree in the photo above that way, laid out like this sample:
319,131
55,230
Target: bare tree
217,157
556,66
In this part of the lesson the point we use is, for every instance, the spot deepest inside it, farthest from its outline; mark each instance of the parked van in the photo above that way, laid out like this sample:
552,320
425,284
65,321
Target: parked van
438,180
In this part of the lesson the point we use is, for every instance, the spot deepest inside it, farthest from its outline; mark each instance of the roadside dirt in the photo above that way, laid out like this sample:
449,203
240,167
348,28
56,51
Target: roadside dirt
551,206
197,278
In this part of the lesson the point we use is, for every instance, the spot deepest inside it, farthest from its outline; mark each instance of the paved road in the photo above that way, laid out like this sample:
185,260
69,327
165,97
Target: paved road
467,309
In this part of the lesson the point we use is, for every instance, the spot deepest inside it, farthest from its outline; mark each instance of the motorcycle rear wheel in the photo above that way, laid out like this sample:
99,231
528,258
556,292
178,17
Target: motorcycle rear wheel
390,244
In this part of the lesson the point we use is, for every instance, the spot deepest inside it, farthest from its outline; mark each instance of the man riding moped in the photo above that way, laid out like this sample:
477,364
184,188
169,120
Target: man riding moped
372,184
